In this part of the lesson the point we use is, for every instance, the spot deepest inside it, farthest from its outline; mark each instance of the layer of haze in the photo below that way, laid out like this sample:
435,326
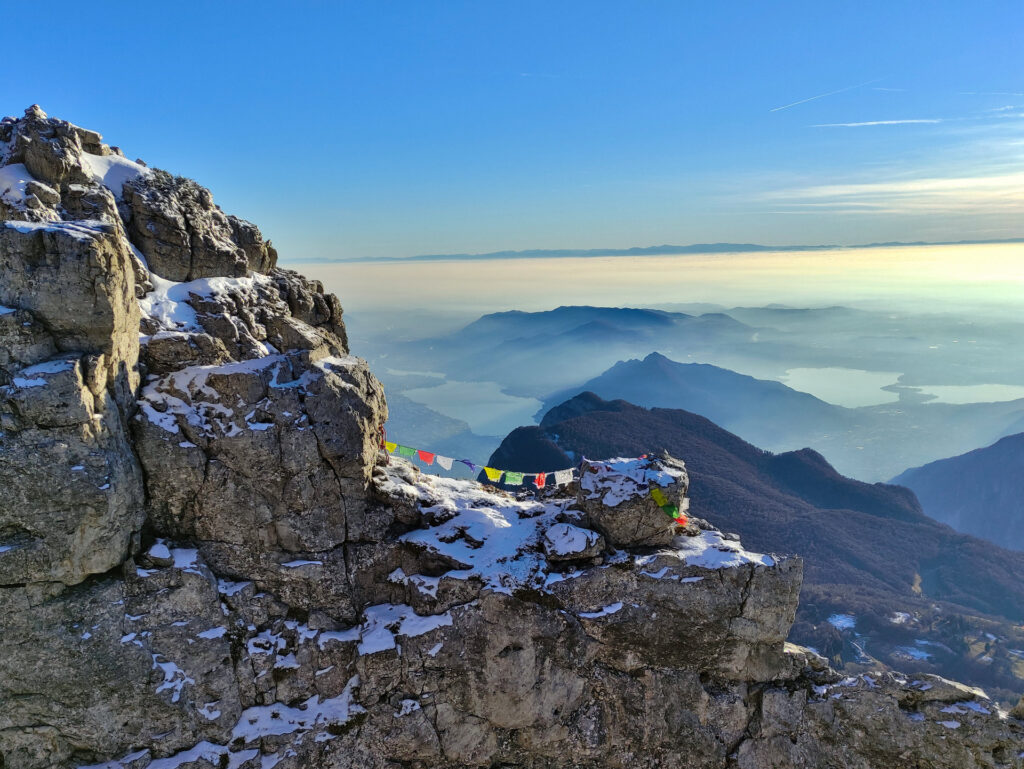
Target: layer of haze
982,278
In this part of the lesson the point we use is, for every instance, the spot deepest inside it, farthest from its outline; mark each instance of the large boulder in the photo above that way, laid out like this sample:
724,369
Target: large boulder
619,496
78,281
184,236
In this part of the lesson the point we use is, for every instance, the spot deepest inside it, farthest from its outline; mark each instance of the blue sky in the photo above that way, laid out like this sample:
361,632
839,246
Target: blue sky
400,128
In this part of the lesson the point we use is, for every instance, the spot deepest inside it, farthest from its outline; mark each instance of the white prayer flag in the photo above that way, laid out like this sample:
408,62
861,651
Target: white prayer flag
562,477
445,462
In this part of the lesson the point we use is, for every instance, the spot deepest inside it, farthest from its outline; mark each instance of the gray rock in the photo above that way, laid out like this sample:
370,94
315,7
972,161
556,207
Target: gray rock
619,503
184,236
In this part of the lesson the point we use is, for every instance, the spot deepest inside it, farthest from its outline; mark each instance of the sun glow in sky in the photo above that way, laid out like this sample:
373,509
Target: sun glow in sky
398,128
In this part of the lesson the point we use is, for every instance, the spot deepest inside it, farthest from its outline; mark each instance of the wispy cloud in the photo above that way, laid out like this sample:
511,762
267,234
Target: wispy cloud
876,122
998,193
894,90
823,95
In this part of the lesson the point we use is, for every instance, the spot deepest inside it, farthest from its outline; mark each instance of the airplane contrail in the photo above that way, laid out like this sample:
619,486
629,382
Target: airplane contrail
823,95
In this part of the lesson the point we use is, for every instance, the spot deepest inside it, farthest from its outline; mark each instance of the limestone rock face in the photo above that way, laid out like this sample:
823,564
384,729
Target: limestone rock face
617,497
184,236
72,487
77,282
263,463
206,562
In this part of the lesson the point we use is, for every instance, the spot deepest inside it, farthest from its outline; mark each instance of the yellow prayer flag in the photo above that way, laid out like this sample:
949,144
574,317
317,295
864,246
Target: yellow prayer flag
660,499
390,447
492,474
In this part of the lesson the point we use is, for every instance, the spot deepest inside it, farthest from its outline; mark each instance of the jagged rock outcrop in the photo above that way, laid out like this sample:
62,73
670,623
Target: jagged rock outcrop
205,561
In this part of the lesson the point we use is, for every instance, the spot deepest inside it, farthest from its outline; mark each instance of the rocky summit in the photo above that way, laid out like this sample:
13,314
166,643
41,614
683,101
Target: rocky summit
207,561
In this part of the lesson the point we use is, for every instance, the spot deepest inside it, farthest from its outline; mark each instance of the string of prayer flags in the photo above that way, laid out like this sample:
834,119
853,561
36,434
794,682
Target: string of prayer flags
669,509
494,475
659,497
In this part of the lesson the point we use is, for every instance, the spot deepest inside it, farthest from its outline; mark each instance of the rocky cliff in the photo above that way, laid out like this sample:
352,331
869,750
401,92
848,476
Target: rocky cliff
205,561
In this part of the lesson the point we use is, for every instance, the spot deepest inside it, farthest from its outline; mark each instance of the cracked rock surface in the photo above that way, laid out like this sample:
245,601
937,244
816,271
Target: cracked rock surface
206,562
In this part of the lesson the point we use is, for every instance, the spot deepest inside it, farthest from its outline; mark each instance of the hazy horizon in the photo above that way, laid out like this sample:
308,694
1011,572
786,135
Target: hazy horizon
979,277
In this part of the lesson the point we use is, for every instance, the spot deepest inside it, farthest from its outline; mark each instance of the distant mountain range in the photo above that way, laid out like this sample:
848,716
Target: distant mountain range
554,354
862,441
980,492
663,250
869,549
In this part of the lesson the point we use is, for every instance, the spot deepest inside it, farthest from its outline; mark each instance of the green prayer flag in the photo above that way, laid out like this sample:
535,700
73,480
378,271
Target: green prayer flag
513,479
405,451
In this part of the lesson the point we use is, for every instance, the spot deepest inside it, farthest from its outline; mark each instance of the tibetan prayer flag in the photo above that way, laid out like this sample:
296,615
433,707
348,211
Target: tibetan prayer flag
445,462
539,480
659,497
406,451
514,479
390,447
492,474
562,477
425,457
470,465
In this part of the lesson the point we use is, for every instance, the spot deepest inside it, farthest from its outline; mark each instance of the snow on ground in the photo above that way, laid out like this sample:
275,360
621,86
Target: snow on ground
168,303
386,621
6,310
185,393
81,229
566,539
13,179
912,652
619,479
199,406
603,612
254,724
35,376
499,539
842,621
112,171
710,550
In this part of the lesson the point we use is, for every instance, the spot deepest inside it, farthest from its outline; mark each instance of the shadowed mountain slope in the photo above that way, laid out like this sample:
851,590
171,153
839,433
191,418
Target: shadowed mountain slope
869,548
871,442
980,492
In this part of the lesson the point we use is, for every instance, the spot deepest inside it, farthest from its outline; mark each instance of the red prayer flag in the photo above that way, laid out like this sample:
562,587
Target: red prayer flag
539,480
425,457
